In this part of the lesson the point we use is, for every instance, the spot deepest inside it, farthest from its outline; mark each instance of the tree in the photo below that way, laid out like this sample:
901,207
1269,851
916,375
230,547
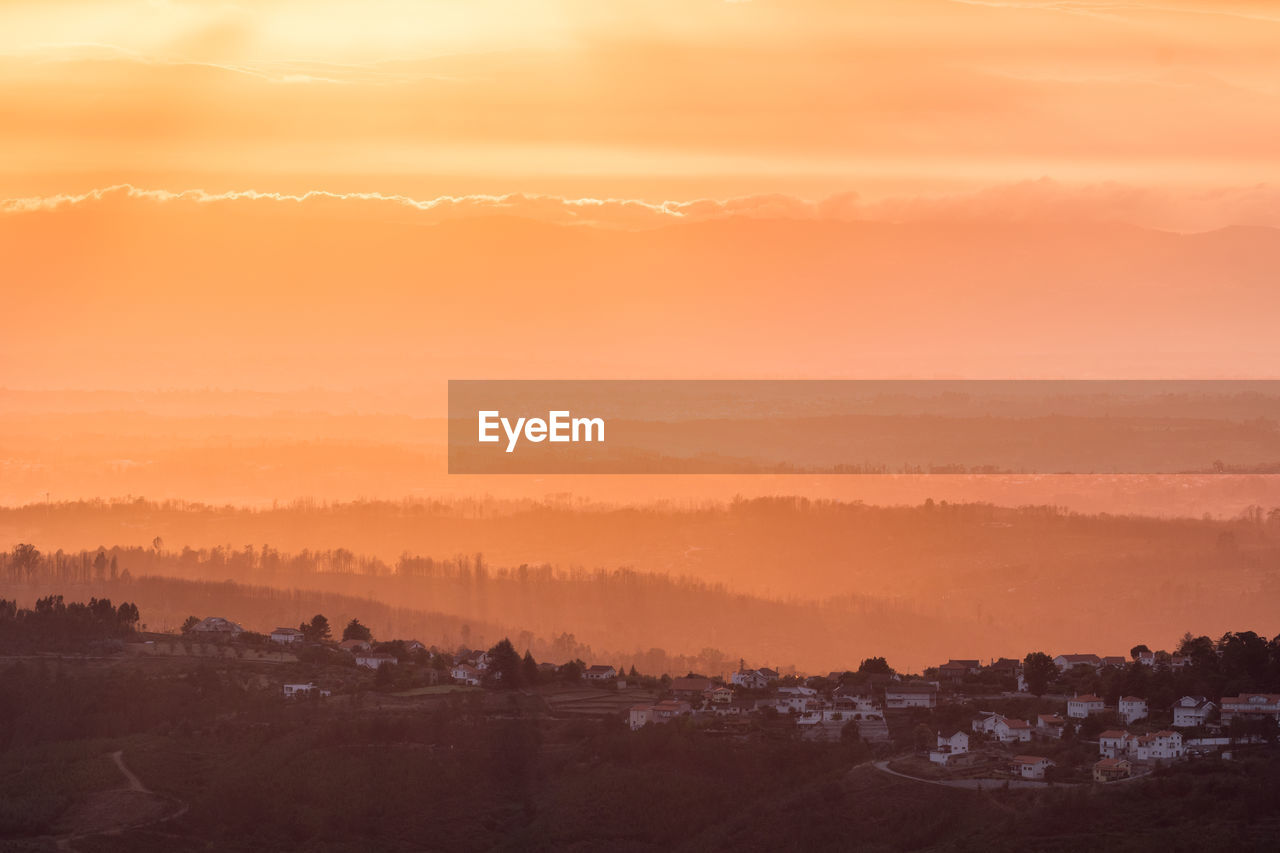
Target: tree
127,616
115,567
1138,650
529,668
190,623
875,666
1200,649
26,558
1038,669
317,630
384,677
504,660
356,631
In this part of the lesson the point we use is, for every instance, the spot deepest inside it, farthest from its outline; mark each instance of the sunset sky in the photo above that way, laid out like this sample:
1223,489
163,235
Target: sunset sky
221,195
245,245
1171,103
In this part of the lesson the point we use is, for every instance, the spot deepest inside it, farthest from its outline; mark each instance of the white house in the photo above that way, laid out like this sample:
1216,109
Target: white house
1160,746
1114,743
374,660
1251,706
949,744
857,707
1065,662
1191,711
985,722
600,672
787,704
660,712
1079,707
639,716
823,716
692,688
720,695
1050,725
1112,770
1009,730
1132,709
797,690
465,673
751,679
912,694
286,636
216,628
1030,766
303,691
854,695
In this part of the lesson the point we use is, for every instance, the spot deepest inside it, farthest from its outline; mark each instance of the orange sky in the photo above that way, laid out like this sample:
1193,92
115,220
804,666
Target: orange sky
376,197
236,195
680,99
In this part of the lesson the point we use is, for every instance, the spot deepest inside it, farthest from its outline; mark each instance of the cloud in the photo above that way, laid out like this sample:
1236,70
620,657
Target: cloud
1105,9
1042,201
383,72
551,208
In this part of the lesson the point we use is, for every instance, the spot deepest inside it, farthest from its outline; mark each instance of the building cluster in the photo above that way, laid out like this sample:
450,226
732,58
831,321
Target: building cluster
823,706
820,706
1120,751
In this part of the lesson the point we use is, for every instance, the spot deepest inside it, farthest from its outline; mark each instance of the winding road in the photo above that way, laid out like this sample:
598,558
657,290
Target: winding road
975,784
107,804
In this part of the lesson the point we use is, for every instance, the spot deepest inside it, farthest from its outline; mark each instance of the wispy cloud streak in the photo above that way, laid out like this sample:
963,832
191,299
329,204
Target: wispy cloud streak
1039,201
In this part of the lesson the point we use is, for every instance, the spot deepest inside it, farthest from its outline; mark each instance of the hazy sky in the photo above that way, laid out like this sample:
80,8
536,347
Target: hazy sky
674,99
204,194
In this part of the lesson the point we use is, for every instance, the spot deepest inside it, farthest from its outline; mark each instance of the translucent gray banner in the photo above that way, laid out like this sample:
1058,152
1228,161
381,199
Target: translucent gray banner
864,426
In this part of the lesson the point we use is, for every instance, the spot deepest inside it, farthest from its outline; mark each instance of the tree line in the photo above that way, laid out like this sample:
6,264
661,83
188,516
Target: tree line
55,624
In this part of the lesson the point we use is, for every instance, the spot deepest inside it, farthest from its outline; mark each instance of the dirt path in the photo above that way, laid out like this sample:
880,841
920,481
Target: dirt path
135,784
110,812
975,784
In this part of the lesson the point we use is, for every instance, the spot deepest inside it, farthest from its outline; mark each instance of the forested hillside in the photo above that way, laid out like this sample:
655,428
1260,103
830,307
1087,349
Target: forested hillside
920,584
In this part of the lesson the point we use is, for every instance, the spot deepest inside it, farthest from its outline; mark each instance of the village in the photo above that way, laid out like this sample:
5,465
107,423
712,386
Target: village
1038,721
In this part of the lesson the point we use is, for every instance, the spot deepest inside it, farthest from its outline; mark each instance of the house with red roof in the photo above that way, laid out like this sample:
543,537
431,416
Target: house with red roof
1251,706
1132,709
1009,730
1066,662
1080,707
1160,746
1192,711
910,694
659,712
1112,770
1030,766
600,672
1050,725
1115,742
